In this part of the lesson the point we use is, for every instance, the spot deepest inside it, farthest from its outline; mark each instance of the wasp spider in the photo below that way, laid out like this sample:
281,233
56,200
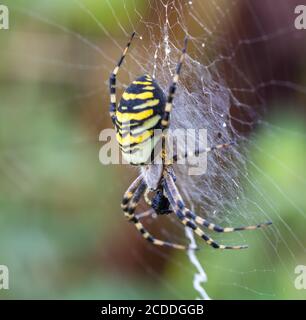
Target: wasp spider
142,109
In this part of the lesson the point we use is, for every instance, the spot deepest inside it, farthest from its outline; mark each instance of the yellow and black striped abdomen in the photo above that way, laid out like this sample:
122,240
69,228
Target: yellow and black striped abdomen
138,115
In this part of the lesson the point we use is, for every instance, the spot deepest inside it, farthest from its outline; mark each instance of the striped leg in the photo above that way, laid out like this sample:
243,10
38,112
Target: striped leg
172,89
205,223
112,81
129,193
175,198
215,227
129,203
201,221
146,197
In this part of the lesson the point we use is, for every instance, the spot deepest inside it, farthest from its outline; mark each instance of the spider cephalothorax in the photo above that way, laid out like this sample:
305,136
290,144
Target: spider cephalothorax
142,110
160,202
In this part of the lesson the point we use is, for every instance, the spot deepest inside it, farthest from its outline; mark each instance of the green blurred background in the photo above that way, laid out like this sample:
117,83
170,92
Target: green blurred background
62,233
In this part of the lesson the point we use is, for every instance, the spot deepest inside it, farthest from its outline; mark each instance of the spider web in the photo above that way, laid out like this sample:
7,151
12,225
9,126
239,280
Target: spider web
224,89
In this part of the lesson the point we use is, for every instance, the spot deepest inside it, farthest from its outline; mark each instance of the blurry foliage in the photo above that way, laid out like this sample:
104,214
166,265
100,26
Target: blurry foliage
73,13
51,204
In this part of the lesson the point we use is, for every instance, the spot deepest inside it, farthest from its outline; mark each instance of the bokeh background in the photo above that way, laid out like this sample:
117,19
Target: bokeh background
62,233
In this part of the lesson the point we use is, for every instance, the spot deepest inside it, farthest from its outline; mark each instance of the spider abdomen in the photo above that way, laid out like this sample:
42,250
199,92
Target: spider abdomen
137,117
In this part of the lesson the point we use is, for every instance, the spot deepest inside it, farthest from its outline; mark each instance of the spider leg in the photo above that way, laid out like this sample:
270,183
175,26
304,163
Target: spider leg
146,197
211,226
216,227
204,222
172,89
112,82
175,198
130,201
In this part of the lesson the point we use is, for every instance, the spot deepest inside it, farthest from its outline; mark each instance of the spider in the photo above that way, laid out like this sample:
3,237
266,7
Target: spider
143,108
